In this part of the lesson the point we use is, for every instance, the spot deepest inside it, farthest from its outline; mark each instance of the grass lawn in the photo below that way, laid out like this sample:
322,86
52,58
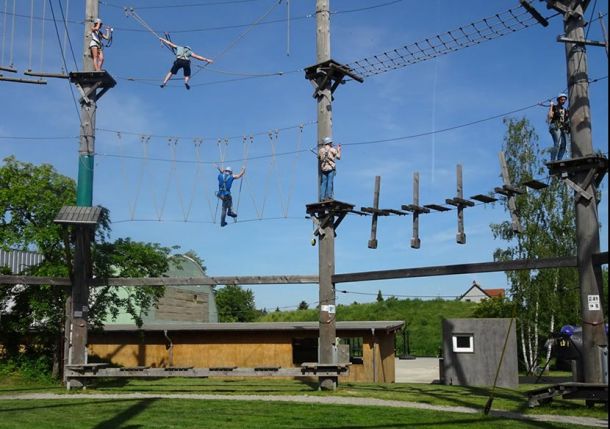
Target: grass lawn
186,413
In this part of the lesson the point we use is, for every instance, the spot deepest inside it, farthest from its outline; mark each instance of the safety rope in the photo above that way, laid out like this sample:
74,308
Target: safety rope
293,170
280,187
232,44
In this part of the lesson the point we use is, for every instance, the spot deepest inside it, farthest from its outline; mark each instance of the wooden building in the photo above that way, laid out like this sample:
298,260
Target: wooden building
368,346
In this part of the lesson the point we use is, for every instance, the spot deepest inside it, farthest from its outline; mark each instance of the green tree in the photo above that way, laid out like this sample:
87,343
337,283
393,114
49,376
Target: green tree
303,306
235,304
494,307
379,296
544,298
30,198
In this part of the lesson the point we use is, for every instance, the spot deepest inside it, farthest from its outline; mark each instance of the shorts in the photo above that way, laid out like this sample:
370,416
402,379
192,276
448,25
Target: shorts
181,64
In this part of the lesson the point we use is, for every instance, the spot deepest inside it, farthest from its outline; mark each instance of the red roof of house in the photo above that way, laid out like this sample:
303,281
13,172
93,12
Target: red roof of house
494,292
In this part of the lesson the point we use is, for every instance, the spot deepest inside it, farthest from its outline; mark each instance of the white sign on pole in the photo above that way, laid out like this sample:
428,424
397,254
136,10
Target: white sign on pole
594,304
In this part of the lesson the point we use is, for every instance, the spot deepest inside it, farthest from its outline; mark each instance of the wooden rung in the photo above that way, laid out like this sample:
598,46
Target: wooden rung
8,69
267,368
535,184
457,201
437,207
396,212
44,74
223,368
373,210
178,368
484,198
415,208
21,80
134,368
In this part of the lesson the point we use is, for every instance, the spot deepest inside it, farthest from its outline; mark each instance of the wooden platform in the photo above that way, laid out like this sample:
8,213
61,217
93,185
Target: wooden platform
309,369
591,392
100,78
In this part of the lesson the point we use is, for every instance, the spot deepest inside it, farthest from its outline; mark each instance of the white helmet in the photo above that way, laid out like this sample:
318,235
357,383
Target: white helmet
97,21
562,95
327,140
229,169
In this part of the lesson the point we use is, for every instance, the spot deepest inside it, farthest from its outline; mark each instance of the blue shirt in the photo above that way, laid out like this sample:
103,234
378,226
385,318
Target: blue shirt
224,184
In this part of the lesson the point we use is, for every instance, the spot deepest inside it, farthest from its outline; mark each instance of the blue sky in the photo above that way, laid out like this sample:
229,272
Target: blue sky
142,127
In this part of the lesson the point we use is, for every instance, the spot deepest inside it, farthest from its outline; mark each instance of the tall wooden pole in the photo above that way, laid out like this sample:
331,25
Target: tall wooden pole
587,225
326,250
84,197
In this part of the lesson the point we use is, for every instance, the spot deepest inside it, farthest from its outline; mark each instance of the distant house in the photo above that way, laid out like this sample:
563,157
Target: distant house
478,294
181,304
18,261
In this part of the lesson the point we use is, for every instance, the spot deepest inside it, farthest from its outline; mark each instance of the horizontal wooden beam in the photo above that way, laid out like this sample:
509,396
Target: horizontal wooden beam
480,267
166,281
32,280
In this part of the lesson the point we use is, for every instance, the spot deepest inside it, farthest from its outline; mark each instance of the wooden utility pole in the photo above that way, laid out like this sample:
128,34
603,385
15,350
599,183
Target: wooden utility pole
587,225
326,250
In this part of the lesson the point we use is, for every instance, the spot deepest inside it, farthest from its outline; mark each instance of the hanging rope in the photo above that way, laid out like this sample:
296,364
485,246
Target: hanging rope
10,61
243,179
145,140
292,181
4,32
42,35
31,34
65,24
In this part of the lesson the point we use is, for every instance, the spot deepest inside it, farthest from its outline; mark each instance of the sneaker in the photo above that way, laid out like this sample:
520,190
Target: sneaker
223,224
187,86
232,214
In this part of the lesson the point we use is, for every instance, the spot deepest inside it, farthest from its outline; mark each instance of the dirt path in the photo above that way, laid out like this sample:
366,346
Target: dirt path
340,400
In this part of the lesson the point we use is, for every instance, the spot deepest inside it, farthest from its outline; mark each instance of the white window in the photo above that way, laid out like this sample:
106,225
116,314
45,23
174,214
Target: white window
463,343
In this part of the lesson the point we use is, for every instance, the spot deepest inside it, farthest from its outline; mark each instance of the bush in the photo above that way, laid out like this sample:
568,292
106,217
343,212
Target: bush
27,366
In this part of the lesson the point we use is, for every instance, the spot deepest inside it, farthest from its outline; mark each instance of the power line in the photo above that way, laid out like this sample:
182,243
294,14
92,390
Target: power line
463,37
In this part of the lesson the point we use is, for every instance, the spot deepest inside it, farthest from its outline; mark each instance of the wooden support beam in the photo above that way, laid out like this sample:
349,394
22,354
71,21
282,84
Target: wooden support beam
9,69
416,209
459,202
373,240
512,205
480,267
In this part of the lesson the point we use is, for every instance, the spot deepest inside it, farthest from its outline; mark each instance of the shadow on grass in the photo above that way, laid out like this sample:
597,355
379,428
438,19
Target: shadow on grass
125,416
30,389
36,405
451,422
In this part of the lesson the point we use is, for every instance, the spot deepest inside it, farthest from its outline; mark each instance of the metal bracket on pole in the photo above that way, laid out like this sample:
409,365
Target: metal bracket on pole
416,209
329,71
459,202
509,192
596,167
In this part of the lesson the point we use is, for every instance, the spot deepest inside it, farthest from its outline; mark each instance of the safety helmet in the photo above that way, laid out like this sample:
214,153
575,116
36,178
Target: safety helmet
562,95
229,169
97,21
327,140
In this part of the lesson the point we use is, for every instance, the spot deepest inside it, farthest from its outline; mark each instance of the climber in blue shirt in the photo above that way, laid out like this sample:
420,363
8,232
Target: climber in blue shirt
225,180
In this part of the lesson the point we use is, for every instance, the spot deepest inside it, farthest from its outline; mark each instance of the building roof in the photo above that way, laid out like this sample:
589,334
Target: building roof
388,326
18,260
494,292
